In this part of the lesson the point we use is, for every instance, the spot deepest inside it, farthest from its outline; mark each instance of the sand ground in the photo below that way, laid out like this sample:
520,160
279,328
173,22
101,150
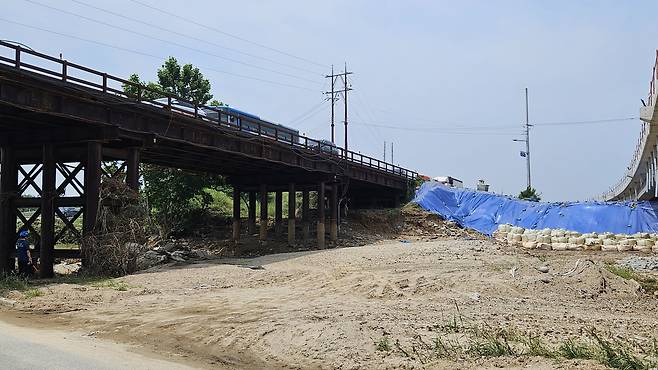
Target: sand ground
329,309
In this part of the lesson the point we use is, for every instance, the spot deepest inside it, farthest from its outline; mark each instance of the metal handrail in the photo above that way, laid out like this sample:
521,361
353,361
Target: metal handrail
303,142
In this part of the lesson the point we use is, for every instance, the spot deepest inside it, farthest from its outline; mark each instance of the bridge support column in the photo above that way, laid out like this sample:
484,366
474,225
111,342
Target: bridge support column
278,213
48,212
321,215
236,214
333,212
8,185
251,218
92,190
263,213
306,227
292,213
132,169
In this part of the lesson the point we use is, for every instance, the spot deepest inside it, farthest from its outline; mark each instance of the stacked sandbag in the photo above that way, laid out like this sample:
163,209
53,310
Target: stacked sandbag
566,240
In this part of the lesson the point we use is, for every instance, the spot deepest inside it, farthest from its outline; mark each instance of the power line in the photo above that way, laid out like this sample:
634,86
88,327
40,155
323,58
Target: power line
171,42
227,34
194,38
432,128
151,55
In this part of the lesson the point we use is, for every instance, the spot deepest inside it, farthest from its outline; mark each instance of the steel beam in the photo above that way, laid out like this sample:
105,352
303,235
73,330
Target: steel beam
48,212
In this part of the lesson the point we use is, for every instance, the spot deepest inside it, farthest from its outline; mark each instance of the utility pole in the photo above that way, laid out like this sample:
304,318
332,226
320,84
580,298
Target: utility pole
333,97
384,151
527,138
527,126
392,153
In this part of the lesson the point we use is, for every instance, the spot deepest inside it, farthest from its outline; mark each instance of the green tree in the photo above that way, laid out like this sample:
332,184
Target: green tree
174,195
187,82
530,194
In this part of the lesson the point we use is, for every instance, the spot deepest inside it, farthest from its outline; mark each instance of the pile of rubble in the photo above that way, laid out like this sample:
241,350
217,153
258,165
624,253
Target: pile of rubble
173,251
561,240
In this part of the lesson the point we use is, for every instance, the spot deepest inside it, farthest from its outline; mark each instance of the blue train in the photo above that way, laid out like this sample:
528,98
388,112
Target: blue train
232,116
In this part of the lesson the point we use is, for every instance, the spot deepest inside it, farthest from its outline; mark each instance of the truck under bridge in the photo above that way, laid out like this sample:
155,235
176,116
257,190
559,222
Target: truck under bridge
59,122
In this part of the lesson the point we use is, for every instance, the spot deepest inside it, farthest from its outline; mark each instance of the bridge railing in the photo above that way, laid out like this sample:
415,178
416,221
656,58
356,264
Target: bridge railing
629,175
33,61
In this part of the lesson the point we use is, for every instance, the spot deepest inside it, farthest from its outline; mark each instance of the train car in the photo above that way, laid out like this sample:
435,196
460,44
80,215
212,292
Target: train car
252,123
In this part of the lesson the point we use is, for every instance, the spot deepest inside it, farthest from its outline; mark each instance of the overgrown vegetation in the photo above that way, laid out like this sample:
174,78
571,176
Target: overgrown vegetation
457,339
530,194
12,282
647,283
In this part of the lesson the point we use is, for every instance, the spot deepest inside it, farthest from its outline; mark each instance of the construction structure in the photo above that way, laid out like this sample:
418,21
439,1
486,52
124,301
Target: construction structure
61,122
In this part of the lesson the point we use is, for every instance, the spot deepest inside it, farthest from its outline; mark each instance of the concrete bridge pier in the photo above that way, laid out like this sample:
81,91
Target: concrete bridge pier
333,213
263,214
236,214
251,218
278,213
321,200
292,213
306,226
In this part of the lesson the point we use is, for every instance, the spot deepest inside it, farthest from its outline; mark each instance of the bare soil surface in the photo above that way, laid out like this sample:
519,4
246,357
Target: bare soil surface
330,308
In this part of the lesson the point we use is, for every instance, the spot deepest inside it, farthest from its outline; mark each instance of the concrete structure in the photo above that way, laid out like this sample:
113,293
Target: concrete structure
639,180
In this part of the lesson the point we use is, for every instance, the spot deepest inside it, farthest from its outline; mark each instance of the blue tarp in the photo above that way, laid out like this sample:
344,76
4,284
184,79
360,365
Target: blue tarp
485,211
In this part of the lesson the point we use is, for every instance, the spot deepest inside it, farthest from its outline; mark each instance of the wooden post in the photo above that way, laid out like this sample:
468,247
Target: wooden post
321,215
306,227
263,213
8,185
333,212
236,214
92,186
48,212
251,223
92,193
278,213
292,199
132,171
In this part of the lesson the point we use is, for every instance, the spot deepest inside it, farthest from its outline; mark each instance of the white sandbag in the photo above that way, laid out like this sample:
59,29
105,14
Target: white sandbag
529,245
544,239
575,247
577,240
559,246
544,246
561,239
593,247
624,248
610,242
593,241
608,247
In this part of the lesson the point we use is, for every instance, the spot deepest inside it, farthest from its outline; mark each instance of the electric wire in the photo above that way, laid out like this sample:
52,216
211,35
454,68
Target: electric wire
152,25
227,33
201,51
151,55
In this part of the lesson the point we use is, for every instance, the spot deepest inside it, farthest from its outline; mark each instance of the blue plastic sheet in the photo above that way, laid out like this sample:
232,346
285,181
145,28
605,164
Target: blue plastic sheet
485,211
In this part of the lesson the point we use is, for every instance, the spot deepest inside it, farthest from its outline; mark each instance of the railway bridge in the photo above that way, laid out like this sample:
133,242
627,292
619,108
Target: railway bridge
640,180
60,122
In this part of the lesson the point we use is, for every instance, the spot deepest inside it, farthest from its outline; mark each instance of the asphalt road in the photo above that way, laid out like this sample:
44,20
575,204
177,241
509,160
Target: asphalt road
27,349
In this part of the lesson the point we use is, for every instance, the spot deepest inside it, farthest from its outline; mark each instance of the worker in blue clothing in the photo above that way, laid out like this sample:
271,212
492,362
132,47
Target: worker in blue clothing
23,254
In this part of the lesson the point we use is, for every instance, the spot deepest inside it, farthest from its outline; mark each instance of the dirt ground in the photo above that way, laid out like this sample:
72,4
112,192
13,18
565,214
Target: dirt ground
330,308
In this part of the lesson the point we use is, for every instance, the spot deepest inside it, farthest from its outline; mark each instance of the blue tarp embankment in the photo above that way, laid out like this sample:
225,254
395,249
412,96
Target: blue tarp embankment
485,211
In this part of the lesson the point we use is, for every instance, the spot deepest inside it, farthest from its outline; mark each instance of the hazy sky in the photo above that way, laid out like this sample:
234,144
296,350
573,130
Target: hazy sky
448,76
